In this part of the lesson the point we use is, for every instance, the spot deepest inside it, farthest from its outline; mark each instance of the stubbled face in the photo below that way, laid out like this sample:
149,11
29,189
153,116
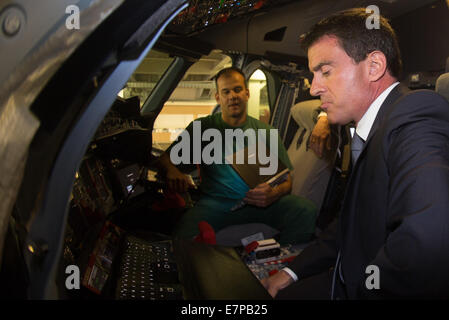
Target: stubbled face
339,81
232,95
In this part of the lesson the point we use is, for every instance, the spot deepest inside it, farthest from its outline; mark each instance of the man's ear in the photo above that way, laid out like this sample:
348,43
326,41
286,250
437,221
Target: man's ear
217,97
376,64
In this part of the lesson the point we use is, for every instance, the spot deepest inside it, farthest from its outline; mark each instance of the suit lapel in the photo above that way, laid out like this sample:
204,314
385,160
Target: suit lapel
394,95
397,92
389,102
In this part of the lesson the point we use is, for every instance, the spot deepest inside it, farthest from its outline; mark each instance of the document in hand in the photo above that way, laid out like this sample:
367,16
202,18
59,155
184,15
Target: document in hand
250,172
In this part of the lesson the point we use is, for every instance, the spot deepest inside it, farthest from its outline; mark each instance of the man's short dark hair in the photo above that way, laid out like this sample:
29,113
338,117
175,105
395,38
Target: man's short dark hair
349,26
227,72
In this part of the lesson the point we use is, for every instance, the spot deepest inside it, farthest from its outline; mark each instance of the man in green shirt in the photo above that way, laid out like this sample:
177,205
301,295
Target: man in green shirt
222,188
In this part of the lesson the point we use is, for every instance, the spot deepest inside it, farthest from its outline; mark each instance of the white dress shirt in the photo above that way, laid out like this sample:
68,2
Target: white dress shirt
366,123
363,128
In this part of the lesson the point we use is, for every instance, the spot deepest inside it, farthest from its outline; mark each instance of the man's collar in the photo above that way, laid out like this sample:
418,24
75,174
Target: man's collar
365,124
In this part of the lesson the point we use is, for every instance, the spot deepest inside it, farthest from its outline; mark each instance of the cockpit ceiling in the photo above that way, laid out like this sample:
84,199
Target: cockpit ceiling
272,27
201,14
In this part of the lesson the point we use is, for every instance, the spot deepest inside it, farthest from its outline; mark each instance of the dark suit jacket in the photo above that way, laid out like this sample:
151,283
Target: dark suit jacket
395,214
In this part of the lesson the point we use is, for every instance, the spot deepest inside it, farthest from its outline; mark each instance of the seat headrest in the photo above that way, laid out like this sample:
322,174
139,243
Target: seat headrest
442,85
303,112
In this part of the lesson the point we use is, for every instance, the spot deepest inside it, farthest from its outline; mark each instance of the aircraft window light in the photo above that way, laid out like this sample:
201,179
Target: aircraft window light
258,106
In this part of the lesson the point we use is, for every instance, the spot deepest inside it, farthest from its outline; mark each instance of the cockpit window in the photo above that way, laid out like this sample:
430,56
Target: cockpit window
146,76
194,97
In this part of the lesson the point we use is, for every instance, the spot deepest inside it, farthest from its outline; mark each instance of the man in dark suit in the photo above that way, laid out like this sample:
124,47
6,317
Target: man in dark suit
391,239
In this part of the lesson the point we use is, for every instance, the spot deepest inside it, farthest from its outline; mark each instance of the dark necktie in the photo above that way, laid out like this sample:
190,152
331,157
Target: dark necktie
356,147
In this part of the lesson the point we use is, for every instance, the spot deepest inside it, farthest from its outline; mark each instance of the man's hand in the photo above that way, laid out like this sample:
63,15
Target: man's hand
177,181
320,138
276,282
262,195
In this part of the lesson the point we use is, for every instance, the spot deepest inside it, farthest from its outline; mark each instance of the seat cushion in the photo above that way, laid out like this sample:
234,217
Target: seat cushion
231,236
311,174
442,85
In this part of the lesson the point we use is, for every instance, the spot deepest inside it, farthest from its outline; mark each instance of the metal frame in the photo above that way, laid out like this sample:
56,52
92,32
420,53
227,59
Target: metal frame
47,231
